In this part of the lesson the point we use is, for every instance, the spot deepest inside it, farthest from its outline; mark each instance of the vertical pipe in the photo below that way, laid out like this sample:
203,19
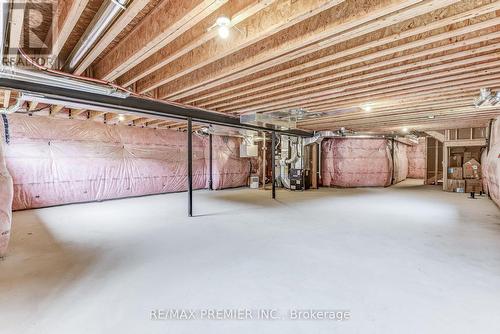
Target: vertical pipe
190,166
210,166
273,163
302,161
393,162
264,156
490,128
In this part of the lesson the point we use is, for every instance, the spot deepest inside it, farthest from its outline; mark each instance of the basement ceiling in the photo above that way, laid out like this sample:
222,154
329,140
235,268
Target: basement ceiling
394,64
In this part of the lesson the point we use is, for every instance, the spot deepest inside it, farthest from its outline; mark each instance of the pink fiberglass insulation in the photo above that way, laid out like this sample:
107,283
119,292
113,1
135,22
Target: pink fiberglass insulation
416,160
400,161
491,164
6,194
57,161
356,162
229,170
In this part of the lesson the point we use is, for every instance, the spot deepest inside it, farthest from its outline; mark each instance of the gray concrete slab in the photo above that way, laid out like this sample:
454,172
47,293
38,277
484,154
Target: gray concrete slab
405,259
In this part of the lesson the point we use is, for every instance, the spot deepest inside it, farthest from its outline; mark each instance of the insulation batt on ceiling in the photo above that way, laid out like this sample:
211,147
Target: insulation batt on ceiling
59,161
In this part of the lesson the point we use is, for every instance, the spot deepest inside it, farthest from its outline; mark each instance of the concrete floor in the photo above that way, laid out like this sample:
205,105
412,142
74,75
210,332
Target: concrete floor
406,259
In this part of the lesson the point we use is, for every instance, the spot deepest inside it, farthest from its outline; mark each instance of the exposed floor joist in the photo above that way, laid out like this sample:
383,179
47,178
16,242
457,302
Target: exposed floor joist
411,63
167,22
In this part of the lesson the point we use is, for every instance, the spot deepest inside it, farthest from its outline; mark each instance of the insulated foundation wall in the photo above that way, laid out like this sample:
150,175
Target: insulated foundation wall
229,170
6,192
356,162
400,161
416,160
491,164
58,161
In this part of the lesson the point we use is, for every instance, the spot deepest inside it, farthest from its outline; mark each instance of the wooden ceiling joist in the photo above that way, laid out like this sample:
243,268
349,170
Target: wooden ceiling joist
32,105
384,90
307,37
55,109
200,34
6,98
416,59
132,10
280,15
447,35
168,21
342,87
16,27
69,13
77,112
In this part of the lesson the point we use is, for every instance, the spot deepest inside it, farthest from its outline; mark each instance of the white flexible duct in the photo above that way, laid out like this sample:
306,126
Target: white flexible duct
13,108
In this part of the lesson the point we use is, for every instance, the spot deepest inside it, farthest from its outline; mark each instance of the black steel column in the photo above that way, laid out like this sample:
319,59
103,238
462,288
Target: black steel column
273,162
210,171
190,166
393,162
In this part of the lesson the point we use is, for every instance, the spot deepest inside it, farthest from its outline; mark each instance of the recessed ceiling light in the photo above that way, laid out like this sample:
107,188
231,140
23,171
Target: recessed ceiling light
121,117
405,130
431,117
367,108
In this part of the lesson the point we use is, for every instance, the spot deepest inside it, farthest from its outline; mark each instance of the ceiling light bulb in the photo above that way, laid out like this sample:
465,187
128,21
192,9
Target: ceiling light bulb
367,108
224,32
222,21
121,117
431,117
405,130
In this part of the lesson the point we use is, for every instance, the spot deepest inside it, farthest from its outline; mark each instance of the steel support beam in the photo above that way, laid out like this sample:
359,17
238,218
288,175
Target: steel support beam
393,162
132,104
190,165
273,163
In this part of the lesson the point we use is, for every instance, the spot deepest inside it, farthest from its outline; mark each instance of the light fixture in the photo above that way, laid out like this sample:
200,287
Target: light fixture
405,130
223,24
367,108
431,117
121,117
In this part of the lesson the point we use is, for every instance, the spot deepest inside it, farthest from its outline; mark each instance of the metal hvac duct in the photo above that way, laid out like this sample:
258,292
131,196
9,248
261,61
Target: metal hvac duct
59,81
105,16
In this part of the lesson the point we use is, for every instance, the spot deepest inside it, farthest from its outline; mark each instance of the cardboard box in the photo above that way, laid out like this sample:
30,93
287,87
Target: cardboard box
456,160
472,169
455,173
457,186
473,186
